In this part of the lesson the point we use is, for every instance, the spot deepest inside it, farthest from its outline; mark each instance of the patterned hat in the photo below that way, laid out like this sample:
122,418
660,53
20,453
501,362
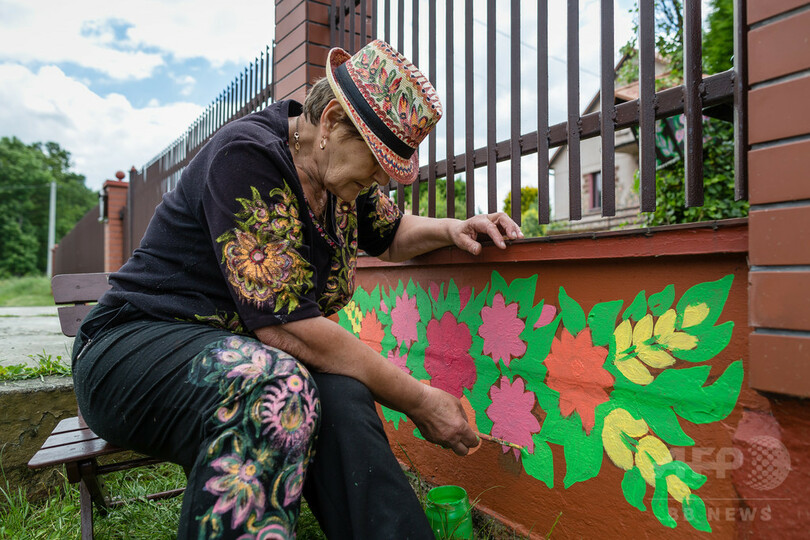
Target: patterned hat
392,104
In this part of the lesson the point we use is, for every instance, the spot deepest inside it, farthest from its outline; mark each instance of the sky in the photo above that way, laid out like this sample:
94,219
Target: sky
115,82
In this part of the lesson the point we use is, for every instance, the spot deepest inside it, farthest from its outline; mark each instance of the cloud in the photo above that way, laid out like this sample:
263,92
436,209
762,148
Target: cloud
103,134
186,84
130,40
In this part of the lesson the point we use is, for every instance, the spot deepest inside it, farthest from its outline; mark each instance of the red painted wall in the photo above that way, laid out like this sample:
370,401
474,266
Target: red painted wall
741,452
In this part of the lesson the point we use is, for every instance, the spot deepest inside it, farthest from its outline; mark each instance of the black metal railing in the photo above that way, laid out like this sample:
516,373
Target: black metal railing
354,23
251,91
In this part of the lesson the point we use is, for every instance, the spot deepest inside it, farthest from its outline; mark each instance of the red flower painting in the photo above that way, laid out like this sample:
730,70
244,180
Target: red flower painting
511,414
371,331
447,359
575,370
501,330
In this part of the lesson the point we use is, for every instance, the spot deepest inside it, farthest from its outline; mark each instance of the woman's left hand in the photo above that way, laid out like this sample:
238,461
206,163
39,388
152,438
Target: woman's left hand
498,226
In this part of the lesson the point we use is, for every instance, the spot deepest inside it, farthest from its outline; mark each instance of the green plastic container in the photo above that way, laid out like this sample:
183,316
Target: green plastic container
448,511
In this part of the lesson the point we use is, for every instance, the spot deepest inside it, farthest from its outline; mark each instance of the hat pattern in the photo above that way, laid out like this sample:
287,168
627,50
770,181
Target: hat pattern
392,104
404,114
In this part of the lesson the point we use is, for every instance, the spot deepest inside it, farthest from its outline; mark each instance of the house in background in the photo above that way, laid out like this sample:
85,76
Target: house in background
626,163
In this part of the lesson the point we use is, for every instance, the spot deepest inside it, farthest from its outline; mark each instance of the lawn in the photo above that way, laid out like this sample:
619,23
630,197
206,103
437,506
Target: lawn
57,517
25,292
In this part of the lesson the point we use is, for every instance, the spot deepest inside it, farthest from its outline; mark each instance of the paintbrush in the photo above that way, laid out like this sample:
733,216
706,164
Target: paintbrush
497,440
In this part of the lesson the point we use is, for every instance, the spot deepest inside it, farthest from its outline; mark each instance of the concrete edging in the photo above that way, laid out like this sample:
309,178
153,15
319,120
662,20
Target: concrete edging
31,409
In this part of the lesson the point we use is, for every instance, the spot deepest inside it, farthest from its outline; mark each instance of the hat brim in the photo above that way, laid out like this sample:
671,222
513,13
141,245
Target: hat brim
403,170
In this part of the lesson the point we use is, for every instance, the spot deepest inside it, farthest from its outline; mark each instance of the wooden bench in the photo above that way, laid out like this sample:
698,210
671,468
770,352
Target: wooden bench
72,443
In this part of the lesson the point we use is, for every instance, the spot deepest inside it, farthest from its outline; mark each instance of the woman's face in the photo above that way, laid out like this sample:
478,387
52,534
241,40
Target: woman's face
351,167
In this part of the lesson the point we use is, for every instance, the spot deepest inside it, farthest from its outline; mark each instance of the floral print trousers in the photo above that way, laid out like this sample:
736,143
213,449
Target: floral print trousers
239,416
253,429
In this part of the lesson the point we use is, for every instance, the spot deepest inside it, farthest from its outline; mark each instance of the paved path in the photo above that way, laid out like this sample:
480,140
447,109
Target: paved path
31,331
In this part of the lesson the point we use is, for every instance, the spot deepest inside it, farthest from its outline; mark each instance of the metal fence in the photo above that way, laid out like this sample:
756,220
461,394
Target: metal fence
353,23
82,249
251,91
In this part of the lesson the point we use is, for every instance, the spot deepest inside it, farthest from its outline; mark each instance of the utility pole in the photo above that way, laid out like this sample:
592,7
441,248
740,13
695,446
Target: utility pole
51,230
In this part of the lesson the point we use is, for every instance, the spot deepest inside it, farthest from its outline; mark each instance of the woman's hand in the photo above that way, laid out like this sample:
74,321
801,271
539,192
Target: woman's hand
497,226
442,420
325,346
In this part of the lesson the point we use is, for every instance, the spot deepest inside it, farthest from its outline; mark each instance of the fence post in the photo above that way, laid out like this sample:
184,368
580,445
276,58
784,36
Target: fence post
302,43
779,254
116,196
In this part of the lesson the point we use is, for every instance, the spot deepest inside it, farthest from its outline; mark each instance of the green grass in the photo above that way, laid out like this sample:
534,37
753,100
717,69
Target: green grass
57,517
25,292
45,366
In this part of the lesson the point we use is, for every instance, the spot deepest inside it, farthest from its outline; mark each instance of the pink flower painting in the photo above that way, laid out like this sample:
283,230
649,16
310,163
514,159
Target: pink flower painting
511,414
501,330
447,359
575,370
404,317
546,316
399,360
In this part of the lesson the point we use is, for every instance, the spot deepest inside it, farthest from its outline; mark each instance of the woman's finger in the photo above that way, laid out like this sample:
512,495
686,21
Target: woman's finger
492,230
507,224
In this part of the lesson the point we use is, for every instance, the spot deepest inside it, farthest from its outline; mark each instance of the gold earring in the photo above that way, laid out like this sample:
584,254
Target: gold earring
322,144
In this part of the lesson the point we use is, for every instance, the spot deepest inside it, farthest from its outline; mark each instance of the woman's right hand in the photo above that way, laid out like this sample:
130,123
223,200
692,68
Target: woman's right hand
324,345
441,420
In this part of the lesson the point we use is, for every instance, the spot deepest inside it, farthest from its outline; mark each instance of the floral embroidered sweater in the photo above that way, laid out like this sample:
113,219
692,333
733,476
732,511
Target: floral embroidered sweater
234,244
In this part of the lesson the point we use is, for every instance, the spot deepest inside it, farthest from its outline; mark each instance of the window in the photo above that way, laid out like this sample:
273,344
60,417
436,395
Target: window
595,184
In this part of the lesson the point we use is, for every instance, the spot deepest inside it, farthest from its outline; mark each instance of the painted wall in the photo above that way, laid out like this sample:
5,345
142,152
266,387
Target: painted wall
623,379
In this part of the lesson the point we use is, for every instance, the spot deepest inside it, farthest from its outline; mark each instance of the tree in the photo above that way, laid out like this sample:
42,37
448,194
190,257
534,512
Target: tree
529,218
26,172
718,183
718,150
718,41
18,249
460,192
718,45
528,195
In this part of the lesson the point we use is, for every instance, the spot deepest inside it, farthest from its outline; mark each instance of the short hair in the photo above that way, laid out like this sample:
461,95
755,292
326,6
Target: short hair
316,101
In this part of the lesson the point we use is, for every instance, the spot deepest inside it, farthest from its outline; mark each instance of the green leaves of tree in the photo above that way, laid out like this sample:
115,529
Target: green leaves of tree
26,172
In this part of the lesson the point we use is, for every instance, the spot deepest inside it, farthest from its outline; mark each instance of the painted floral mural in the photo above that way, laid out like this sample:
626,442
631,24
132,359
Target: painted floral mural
617,382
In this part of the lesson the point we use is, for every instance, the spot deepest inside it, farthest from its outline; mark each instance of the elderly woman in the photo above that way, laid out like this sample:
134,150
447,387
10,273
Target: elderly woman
198,352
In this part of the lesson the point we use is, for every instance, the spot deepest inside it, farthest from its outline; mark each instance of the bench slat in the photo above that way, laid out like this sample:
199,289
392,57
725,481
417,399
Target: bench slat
70,424
69,437
71,317
68,288
73,452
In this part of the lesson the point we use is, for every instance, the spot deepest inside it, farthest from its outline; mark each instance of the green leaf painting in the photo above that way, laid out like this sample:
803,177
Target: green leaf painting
619,387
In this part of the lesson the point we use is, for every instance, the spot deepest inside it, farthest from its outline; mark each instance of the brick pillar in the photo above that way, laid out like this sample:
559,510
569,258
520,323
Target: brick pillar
779,222
774,433
115,193
302,43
